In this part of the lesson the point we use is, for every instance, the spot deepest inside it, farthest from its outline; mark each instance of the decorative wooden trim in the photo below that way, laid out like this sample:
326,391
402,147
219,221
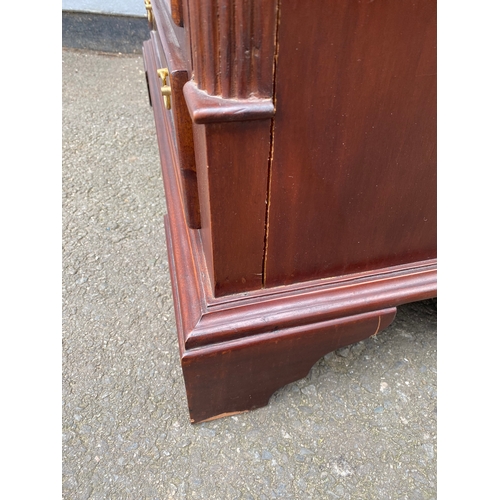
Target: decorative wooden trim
182,256
236,351
238,376
205,108
177,15
233,46
287,309
232,50
170,57
173,37
230,95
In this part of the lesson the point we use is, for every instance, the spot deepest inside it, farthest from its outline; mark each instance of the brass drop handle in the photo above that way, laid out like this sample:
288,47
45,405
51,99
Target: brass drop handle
166,90
149,10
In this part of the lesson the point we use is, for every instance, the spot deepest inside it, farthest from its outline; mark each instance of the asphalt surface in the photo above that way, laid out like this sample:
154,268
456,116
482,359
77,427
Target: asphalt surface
362,425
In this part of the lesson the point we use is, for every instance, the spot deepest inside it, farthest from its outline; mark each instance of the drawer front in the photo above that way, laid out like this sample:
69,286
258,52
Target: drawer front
171,74
166,17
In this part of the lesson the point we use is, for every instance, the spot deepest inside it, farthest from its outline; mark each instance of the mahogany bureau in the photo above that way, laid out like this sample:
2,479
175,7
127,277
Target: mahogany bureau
298,149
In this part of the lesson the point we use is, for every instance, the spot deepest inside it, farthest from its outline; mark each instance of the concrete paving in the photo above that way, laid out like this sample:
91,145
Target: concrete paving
362,425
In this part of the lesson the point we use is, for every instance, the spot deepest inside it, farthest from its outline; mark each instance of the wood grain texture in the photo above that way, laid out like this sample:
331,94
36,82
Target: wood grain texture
278,333
168,57
205,108
232,162
243,375
171,34
240,342
177,12
186,277
286,307
353,177
230,94
232,43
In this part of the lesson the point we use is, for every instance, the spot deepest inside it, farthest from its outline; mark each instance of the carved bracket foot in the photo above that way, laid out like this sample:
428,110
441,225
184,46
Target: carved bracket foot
242,375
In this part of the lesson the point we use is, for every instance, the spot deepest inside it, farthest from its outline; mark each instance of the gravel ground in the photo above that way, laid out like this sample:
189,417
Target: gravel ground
362,425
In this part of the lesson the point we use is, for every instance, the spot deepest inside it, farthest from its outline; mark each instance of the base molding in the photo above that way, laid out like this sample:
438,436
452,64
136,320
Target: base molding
237,376
237,350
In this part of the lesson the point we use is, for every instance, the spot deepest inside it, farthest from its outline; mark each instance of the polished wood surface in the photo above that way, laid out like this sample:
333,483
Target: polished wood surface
297,158
233,45
229,97
243,375
173,37
172,60
275,334
232,162
205,108
353,176
170,53
177,12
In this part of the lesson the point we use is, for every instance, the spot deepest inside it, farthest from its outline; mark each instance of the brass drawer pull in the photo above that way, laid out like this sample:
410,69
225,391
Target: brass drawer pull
149,10
166,90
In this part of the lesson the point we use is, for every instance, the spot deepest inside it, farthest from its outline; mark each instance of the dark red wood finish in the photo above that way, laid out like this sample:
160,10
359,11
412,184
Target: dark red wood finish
243,375
240,341
177,14
172,59
232,161
276,334
232,45
205,108
230,102
173,36
353,176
